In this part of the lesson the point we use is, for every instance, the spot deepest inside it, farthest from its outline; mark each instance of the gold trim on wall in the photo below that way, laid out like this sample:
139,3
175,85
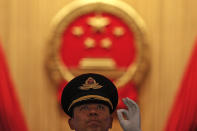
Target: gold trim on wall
135,71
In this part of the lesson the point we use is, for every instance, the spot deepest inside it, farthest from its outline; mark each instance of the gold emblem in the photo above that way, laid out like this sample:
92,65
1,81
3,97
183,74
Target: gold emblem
98,23
90,83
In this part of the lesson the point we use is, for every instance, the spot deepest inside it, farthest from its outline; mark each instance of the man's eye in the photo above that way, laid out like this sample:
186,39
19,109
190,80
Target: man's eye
100,107
83,108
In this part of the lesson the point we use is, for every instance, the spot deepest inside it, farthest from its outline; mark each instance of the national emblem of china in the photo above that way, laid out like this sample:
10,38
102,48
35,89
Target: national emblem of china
99,36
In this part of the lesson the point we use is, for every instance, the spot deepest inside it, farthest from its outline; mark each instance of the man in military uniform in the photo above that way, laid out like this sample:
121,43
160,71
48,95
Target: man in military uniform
90,99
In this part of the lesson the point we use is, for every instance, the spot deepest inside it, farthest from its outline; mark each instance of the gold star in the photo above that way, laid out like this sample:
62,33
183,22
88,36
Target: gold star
89,43
98,23
118,31
106,43
77,31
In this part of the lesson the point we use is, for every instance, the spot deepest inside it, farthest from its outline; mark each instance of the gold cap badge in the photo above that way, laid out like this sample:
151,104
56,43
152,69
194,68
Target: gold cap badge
90,83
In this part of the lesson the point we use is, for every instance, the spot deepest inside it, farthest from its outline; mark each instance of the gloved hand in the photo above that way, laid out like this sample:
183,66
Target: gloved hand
132,121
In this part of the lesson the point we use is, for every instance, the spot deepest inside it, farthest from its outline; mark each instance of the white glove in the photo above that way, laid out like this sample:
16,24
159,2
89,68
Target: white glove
132,121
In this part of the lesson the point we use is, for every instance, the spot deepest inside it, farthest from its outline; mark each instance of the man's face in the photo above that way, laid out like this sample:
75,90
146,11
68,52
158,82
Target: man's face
91,117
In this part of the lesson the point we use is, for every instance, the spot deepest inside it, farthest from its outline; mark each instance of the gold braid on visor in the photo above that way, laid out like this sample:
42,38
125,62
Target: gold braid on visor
90,97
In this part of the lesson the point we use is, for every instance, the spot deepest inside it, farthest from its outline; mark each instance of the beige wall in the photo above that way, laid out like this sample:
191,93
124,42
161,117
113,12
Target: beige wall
24,27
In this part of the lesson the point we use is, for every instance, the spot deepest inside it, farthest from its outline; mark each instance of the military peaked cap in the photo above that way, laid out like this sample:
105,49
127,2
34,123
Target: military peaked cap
89,88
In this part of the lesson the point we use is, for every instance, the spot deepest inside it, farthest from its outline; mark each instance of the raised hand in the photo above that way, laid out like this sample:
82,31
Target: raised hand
132,120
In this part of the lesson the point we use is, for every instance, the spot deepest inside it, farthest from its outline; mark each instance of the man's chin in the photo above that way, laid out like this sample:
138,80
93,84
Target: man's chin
94,128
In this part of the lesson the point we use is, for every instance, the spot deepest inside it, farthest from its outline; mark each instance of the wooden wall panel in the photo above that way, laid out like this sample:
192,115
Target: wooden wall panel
24,30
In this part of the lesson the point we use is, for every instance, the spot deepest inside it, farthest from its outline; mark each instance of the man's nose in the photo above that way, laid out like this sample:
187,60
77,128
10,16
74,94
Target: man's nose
93,112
